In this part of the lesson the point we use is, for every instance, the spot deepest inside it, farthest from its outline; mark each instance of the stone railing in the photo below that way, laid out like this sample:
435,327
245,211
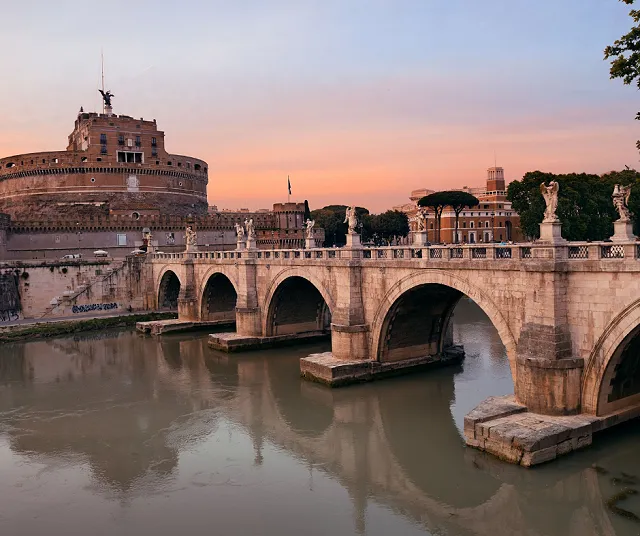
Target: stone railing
474,252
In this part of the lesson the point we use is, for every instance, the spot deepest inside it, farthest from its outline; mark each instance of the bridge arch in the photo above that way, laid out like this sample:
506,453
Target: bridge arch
441,291
296,302
218,297
168,289
612,371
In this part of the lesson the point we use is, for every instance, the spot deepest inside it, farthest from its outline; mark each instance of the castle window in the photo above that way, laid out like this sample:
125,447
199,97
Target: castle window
169,163
153,142
103,139
99,159
55,160
196,167
179,164
120,139
43,160
157,162
84,158
129,157
10,164
103,149
471,224
154,152
93,179
138,142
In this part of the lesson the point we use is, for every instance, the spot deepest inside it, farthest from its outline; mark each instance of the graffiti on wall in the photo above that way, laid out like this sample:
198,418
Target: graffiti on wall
8,316
10,305
94,307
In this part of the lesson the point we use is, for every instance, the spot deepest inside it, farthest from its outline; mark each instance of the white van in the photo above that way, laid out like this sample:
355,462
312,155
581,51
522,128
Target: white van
73,256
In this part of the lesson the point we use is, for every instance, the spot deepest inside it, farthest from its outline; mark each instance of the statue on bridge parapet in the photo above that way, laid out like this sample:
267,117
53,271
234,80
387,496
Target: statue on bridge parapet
353,238
622,227
352,220
190,239
251,233
309,228
550,194
551,228
620,199
240,235
309,241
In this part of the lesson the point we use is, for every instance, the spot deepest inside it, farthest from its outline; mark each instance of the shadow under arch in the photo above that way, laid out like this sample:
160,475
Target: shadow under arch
296,305
219,297
434,286
168,290
612,373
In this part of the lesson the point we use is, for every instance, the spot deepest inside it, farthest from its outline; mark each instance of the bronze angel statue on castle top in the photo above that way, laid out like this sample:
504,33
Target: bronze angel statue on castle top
106,96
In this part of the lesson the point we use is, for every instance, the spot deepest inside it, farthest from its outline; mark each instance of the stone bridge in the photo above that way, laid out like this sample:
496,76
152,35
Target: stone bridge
568,315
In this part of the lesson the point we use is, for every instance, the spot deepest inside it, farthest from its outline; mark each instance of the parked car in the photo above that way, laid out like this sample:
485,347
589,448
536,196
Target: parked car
138,252
72,256
100,253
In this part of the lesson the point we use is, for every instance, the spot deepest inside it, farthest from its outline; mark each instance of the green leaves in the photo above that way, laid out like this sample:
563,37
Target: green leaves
584,202
624,55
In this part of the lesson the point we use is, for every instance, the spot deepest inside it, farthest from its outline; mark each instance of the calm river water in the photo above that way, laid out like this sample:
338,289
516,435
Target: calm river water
118,434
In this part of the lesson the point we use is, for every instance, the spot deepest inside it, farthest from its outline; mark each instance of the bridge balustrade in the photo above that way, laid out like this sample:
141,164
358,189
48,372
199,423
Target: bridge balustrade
571,251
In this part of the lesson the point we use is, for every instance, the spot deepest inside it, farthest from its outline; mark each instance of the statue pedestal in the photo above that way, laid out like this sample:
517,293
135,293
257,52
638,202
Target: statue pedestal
240,245
309,243
251,243
419,238
623,231
551,232
108,110
191,248
353,241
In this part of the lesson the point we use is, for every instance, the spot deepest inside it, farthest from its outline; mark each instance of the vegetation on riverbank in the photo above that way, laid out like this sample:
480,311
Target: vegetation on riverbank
53,329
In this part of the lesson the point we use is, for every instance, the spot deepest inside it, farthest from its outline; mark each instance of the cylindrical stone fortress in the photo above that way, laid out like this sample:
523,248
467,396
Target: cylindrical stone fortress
112,165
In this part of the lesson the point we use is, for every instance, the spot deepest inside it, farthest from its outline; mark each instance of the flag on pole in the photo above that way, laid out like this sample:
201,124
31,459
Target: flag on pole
289,184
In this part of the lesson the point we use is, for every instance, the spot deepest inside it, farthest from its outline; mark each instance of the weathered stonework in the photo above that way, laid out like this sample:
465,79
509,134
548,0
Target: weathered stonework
563,312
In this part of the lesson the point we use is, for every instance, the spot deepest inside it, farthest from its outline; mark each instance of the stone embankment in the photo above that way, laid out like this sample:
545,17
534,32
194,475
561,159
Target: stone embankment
54,328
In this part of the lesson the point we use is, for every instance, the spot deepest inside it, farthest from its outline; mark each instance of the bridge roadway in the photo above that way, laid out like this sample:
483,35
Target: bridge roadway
568,315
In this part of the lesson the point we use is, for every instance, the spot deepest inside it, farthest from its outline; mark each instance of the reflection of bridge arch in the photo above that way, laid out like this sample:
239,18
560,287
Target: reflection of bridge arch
433,280
305,407
168,289
612,372
296,303
425,453
218,298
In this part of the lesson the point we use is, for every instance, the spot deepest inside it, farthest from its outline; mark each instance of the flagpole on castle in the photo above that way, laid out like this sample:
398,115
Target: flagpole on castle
288,190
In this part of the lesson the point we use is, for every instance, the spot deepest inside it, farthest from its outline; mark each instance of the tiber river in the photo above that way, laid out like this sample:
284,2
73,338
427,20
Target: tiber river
121,434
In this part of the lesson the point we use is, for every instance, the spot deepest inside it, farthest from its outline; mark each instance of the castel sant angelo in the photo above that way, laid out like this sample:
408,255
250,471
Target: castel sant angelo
115,182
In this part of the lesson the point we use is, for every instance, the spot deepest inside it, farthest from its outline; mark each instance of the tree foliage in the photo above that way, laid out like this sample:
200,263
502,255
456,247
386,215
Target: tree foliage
331,219
585,207
624,54
456,199
380,228
436,202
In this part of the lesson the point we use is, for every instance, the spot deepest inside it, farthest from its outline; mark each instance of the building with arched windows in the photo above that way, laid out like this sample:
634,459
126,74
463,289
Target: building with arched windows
492,220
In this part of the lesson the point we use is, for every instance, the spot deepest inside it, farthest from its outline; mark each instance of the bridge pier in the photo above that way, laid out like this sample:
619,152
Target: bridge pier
542,421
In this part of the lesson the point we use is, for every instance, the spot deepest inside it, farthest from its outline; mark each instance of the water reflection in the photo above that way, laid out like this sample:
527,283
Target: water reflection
122,431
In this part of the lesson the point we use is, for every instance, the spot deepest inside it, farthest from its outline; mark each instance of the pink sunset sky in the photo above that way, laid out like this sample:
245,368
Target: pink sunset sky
358,101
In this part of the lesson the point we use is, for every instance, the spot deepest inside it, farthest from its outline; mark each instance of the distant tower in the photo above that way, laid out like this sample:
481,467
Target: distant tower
495,179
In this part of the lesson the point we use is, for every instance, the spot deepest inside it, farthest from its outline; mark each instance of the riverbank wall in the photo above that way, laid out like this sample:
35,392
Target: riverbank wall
50,289
43,330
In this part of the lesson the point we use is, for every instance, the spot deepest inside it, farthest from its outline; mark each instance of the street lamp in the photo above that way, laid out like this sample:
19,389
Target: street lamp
78,235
